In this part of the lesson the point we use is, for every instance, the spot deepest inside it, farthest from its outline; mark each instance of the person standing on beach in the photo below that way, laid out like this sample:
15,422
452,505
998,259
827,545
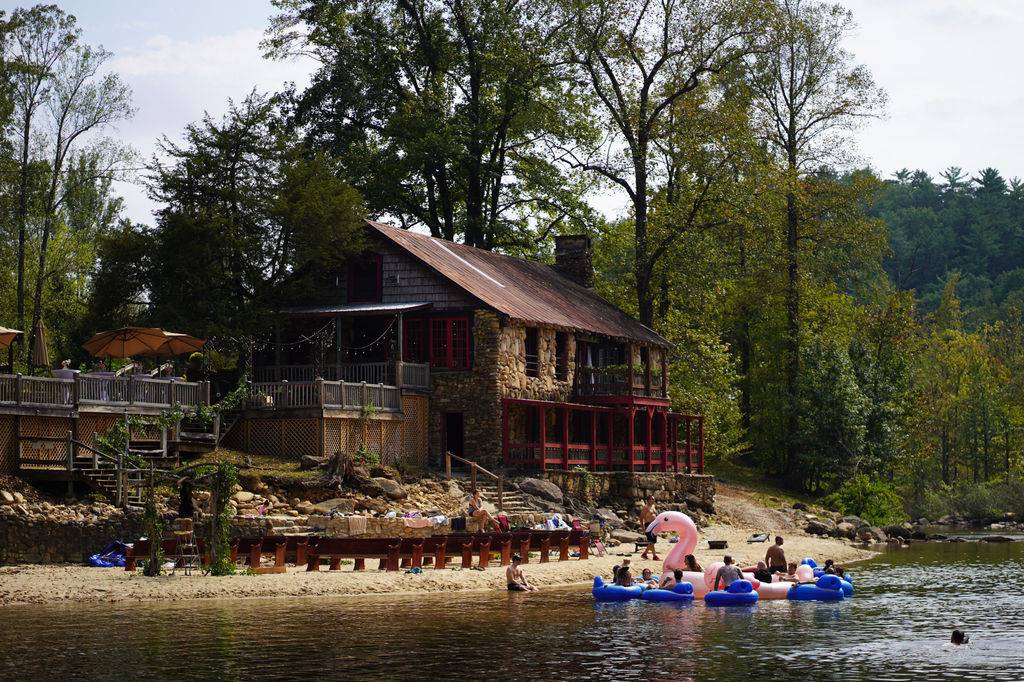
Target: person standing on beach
648,514
775,557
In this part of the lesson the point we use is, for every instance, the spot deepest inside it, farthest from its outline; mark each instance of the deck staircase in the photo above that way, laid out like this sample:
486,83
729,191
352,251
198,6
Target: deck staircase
102,478
512,501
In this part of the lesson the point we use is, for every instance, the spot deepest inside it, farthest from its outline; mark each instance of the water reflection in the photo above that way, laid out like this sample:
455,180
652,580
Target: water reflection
907,603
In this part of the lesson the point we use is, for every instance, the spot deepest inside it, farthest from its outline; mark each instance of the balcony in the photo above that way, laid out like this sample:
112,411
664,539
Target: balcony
104,390
409,375
620,382
321,394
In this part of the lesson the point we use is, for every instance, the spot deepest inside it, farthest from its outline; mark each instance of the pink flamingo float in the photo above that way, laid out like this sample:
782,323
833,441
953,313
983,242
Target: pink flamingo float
683,525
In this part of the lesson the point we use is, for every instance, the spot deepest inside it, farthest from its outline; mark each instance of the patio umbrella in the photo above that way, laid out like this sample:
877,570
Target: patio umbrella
40,354
177,344
7,336
125,342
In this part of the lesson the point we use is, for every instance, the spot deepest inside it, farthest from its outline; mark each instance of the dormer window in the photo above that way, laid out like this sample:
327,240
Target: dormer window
364,279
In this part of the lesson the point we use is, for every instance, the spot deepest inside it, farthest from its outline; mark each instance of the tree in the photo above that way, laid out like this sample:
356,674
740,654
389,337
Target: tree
639,61
809,96
441,111
250,219
80,103
42,36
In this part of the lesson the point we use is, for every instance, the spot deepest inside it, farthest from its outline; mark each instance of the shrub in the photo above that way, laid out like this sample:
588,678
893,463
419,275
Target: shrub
872,500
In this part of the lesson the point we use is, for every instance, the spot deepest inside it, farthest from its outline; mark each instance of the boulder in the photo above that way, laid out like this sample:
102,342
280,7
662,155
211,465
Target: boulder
946,520
923,521
821,527
799,506
856,521
371,488
996,538
543,489
627,537
392,489
307,462
872,534
897,531
846,530
6,497
695,503
611,519
242,496
19,498
341,504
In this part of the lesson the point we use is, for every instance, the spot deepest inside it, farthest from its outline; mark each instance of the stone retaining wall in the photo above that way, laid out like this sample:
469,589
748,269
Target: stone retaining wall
623,488
338,527
24,540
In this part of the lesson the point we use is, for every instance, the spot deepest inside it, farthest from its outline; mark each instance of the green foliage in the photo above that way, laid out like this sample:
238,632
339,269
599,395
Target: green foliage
874,501
222,478
366,456
153,527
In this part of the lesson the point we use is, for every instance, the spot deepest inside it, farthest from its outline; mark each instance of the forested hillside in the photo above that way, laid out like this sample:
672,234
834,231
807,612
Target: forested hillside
970,224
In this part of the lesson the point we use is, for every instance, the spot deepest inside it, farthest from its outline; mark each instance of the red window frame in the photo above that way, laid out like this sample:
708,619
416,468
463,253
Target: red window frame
378,292
448,344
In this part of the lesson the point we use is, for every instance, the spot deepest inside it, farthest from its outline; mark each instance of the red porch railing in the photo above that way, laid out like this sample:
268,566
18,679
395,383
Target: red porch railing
608,439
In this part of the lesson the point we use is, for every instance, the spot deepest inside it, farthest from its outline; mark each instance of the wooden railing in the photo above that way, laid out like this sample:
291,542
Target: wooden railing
100,390
473,469
321,393
405,374
618,381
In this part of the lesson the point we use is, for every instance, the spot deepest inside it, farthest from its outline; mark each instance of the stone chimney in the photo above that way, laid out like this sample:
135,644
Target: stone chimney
574,258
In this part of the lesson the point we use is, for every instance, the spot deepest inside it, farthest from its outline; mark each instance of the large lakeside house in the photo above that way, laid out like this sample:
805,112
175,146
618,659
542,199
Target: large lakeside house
497,359
419,347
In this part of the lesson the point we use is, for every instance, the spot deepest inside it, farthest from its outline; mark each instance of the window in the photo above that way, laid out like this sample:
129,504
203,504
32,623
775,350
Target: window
364,279
532,354
414,349
449,342
562,356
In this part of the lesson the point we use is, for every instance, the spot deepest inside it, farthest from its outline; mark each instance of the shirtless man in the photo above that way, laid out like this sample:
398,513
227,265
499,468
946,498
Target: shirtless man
648,514
514,576
727,574
775,557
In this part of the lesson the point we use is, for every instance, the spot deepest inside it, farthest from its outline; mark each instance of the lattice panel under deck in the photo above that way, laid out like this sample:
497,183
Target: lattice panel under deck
415,432
48,454
8,445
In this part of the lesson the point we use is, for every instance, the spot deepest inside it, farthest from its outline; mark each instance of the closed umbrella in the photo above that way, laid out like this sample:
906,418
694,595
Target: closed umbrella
125,342
40,354
178,343
7,336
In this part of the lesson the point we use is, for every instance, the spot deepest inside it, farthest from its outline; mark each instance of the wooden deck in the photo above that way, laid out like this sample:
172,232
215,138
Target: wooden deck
64,397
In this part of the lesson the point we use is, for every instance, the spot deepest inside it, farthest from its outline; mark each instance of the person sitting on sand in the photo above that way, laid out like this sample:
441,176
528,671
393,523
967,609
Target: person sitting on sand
775,557
476,511
727,574
646,579
517,581
762,573
692,564
670,580
623,576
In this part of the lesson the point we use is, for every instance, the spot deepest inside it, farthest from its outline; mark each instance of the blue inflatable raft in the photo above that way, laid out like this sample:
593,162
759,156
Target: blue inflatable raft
739,593
683,592
828,588
603,592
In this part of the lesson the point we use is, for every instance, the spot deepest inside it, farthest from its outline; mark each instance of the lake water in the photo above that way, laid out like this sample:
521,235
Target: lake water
895,628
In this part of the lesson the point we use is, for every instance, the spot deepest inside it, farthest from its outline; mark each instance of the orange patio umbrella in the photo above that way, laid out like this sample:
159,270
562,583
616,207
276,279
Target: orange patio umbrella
177,344
125,342
7,336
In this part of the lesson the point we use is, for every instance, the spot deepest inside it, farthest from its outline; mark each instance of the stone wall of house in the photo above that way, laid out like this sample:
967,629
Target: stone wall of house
340,527
621,489
474,393
512,378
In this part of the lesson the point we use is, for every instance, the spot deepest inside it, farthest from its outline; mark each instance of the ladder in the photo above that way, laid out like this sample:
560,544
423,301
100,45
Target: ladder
188,550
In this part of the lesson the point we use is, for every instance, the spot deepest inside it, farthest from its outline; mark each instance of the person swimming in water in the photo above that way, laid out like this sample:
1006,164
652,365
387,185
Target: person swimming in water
958,637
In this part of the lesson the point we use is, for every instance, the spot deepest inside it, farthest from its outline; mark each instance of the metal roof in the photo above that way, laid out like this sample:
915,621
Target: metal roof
355,309
521,289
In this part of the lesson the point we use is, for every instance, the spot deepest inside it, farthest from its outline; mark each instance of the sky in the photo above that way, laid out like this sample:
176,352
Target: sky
951,70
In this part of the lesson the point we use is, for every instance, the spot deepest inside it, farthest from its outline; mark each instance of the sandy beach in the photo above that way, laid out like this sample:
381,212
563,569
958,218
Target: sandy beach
40,584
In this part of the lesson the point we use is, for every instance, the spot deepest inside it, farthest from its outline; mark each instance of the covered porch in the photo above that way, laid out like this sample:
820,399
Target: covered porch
541,435
352,343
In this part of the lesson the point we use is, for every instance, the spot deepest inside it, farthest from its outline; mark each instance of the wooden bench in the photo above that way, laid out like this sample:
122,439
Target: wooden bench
252,549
